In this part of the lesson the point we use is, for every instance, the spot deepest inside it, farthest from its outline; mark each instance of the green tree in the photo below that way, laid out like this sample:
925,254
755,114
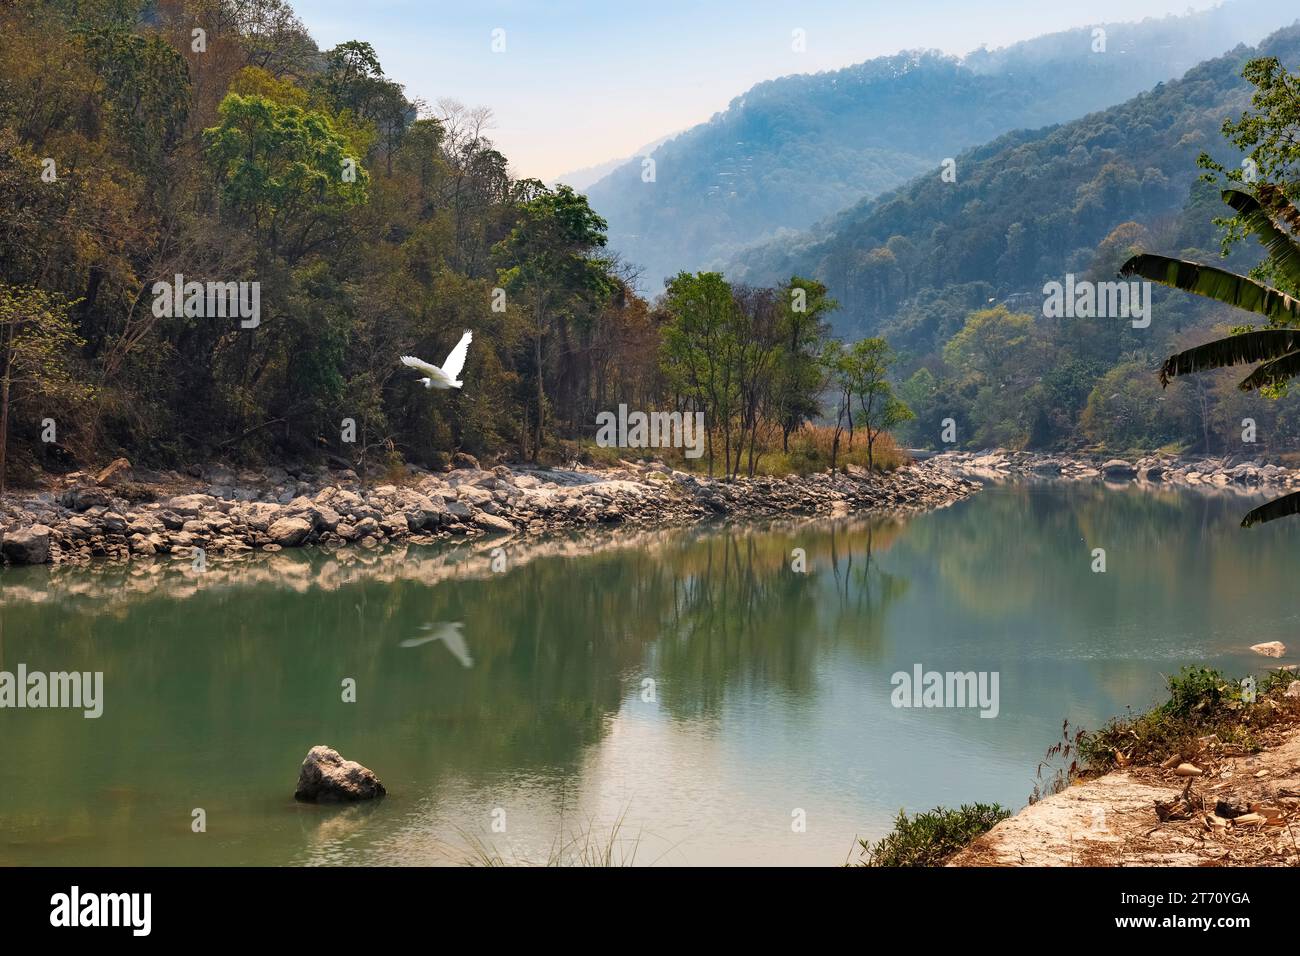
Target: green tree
37,337
698,343
284,171
797,376
862,375
550,260
998,359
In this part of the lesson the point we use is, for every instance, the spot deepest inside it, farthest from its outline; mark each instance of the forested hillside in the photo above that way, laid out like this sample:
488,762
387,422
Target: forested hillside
150,147
792,151
917,266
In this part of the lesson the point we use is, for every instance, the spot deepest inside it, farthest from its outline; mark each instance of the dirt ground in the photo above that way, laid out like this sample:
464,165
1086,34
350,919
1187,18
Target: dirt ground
1116,819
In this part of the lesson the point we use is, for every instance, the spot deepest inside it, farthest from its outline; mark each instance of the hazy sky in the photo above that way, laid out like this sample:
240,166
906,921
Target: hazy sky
584,81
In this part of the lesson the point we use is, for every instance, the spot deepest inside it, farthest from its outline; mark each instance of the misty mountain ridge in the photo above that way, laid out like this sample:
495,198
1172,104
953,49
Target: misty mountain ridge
1026,207
792,151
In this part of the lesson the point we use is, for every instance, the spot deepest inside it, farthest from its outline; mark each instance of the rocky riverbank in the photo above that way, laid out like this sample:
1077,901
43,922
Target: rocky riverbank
122,513
1238,809
1247,474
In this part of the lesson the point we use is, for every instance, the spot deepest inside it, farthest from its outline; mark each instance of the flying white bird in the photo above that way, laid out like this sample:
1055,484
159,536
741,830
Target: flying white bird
444,377
449,634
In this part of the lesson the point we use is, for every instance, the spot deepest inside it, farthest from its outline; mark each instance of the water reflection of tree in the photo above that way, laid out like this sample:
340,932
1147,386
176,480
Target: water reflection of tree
866,591
743,618
215,673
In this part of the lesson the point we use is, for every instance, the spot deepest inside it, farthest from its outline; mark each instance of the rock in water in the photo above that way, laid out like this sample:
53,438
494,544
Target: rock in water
1269,649
326,777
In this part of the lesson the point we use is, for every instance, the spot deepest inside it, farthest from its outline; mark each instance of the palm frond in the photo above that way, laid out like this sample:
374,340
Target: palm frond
1217,284
1282,507
1260,346
1272,198
1273,373
1282,249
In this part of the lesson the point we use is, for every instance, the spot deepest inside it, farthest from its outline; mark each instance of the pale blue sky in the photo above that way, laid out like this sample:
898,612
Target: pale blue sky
584,81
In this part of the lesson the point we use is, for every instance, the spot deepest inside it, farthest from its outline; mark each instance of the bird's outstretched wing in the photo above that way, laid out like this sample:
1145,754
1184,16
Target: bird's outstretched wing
456,357
416,641
425,367
455,641
449,632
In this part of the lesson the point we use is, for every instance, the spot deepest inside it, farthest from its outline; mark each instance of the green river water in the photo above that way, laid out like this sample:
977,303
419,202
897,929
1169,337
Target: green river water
770,705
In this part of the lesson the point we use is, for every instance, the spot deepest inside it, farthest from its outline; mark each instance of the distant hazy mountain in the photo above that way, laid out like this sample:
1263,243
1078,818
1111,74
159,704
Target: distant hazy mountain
580,179
1026,207
792,151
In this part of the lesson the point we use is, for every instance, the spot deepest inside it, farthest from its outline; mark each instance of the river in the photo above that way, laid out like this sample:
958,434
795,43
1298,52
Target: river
682,697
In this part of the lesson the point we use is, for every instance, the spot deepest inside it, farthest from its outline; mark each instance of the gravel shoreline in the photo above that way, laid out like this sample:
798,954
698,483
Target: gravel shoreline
1238,473
123,513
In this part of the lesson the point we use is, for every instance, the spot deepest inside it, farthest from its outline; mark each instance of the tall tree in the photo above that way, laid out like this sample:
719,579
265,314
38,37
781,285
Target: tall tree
550,260
37,339
797,377
698,345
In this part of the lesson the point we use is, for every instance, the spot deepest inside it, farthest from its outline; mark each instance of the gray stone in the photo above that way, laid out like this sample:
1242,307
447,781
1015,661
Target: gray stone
113,522
493,524
289,532
191,505
325,777
30,545
83,497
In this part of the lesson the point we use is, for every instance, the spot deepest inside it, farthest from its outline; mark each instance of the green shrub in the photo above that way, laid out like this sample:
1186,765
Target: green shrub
928,839
1202,703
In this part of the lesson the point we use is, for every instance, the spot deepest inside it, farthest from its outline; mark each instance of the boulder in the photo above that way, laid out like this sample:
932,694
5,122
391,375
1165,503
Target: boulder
119,469
394,525
463,460
326,777
113,522
30,545
80,527
474,496
1269,648
259,515
191,505
457,509
493,524
143,524
427,515
289,532
147,544
1118,468
83,497
326,518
